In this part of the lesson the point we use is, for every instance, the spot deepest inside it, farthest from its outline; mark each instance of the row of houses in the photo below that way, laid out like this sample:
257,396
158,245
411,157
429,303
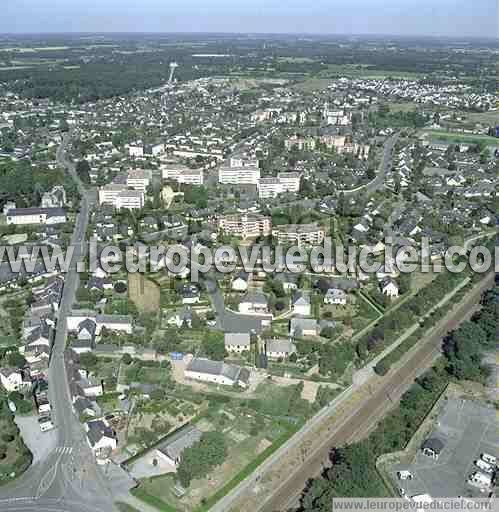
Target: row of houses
36,345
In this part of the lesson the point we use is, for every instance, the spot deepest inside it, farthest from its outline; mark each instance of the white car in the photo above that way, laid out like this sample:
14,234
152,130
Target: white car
489,459
404,475
484,466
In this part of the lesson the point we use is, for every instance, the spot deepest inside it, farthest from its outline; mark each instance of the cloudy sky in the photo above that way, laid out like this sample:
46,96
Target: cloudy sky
406,17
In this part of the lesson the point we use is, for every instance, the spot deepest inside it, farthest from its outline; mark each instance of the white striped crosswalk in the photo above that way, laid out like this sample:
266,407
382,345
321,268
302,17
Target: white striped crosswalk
64,450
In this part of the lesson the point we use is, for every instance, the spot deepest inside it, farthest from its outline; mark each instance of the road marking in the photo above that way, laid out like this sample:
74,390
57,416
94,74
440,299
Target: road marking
64,450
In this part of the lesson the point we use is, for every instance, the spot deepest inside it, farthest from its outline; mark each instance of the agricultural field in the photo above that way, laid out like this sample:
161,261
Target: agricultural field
488,118
144,293
363,71
463,138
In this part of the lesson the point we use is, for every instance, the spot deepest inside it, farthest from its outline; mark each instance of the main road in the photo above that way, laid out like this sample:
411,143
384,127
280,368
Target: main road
68,479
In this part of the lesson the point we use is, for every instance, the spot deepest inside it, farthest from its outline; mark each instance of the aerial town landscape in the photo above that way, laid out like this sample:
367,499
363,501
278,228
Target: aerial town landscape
254,382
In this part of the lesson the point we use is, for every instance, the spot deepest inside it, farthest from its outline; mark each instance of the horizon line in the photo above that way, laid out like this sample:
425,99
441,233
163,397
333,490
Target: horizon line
253,33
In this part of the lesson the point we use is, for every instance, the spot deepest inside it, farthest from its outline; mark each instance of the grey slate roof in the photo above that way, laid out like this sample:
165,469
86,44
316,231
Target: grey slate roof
179,441
237,338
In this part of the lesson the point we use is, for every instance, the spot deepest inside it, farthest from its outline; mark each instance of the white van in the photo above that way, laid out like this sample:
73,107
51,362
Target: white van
484,466
489,459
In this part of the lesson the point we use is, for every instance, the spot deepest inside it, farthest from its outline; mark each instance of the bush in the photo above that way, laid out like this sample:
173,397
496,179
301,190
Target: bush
127,359
382,367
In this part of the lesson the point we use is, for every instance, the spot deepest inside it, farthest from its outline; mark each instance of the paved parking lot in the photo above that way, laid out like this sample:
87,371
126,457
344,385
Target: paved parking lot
40,443
467,429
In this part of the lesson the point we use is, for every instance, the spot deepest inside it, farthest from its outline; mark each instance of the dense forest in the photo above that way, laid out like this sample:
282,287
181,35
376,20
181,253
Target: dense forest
353,472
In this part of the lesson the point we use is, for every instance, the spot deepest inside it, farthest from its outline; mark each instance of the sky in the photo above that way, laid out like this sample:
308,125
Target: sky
461,18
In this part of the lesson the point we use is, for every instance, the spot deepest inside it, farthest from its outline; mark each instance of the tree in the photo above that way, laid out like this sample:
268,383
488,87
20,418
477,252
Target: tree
381,367
214,346
16,360
83,171
198,460
88,360
126,359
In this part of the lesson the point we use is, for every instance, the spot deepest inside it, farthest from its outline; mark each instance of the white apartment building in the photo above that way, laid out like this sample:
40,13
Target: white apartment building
130,200
120,197
241,161
26,216
183,175
138,179
299,234
269,188
156,149
248,175
290,181
136,151
301,143
108,194
245,225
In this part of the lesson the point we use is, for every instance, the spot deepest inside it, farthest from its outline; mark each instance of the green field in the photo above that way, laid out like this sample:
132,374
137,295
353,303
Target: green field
462,137
488,118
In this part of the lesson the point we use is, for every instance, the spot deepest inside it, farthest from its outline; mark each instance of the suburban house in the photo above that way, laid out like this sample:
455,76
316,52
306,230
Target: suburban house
217,372
301,304
171,449
254,303
84,385
101,437
87,330
389,287
240,282
299,327
84,406
181,318
280,349
237,341
12,379
190,294
288,280
39,336
121,323
335,296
